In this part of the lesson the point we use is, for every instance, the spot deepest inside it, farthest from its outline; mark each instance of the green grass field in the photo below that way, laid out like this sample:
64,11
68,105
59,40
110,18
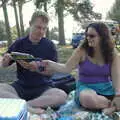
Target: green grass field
2,50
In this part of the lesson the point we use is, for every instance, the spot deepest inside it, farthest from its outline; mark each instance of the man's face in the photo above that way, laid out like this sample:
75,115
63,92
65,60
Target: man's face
37,29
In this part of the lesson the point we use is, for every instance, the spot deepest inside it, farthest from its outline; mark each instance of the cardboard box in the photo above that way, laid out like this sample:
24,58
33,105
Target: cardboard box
13,109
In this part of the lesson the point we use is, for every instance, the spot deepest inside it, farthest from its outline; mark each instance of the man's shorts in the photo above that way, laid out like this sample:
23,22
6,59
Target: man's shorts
29,93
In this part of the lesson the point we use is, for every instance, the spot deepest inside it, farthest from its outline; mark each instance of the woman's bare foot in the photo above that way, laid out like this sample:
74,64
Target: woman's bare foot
109,111
35,110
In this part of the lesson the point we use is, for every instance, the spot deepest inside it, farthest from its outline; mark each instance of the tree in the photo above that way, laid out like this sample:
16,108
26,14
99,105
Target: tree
114,12
3,35
2,2
16,17
60,12
41,3
14,33
54,33
20,23
82,10
20,6
7,25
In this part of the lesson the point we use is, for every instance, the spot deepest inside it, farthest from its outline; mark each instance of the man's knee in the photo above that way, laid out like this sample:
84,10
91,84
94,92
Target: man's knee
62,94
4,86
7,88
7,91
58,94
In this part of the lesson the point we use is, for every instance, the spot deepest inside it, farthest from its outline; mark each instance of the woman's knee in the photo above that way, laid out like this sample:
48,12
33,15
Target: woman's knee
88,100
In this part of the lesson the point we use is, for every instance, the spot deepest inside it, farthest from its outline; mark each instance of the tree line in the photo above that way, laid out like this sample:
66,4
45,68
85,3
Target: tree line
80,10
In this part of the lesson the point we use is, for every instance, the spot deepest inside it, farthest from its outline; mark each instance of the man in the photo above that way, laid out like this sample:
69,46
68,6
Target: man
32,86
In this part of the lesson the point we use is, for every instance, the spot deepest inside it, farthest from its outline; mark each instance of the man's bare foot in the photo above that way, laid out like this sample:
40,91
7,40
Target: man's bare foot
35,110
109,111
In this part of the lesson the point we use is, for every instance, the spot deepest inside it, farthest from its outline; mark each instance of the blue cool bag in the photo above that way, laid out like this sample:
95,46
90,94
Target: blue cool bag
13,109
63,81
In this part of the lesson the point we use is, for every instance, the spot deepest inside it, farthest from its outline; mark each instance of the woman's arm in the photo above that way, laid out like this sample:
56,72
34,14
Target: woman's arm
115,73
71,64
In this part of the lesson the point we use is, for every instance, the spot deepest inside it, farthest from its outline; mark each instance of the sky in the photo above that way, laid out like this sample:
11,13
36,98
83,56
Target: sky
101,6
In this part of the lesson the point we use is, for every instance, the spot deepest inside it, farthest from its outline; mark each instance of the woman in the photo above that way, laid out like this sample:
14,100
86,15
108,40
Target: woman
97,60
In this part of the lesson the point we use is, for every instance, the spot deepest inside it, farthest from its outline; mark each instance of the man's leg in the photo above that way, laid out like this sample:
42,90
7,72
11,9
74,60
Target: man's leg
52,97
7,91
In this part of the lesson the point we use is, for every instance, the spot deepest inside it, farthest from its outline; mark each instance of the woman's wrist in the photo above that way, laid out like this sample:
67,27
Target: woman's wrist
117,93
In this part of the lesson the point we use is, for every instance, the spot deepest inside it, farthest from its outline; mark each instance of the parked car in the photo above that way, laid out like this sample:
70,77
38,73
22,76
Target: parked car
77,38
3,43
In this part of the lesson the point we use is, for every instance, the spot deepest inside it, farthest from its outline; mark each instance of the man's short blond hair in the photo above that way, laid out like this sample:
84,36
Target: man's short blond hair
43,15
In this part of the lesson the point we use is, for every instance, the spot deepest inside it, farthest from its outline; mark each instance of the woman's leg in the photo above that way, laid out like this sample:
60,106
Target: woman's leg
89,99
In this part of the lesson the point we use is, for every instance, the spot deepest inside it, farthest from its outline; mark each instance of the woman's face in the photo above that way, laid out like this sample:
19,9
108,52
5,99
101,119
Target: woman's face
92,37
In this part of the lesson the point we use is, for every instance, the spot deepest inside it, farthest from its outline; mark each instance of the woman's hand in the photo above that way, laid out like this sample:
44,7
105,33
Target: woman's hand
49,65
114,106
116,102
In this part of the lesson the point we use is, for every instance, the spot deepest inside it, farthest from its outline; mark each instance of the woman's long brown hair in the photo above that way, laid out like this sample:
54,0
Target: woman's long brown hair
106,44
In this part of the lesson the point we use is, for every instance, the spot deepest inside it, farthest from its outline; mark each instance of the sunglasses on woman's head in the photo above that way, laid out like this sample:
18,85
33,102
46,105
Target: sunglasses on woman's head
90,35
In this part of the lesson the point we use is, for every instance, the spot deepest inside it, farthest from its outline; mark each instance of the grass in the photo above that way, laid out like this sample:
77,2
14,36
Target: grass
2,50
9,74
64,52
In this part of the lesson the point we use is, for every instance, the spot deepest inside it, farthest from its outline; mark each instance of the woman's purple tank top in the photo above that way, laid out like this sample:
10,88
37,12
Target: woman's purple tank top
93,73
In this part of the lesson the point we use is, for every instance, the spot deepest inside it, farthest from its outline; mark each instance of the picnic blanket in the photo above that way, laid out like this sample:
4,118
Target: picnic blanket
70,111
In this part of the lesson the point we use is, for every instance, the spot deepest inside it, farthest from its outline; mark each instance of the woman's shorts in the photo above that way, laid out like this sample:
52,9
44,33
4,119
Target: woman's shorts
104,89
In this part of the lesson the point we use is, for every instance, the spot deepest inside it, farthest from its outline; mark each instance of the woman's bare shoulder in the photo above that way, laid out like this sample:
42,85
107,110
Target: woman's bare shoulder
116,56
116,53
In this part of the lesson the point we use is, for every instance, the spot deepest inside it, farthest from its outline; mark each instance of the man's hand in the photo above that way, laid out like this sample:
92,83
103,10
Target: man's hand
35,66
6,59
32,66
